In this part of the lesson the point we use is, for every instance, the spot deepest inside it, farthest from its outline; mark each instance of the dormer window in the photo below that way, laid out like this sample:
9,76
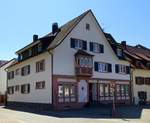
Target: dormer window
138,63
30,52
39,47
119,52
148,64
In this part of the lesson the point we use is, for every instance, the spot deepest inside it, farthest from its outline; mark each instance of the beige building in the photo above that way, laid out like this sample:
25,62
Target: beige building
139,57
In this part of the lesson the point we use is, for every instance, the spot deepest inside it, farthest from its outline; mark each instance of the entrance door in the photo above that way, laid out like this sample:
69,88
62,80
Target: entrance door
142,96
90,92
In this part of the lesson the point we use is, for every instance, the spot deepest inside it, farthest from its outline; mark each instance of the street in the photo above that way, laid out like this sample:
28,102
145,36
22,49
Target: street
12,116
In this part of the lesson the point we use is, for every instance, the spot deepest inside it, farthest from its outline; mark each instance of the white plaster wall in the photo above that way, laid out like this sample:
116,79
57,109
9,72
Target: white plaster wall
35,95
64,55
136,88
3,77
82,91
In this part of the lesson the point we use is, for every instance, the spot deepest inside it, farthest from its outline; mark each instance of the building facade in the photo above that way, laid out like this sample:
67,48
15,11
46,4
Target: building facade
139,57
70,67
3,79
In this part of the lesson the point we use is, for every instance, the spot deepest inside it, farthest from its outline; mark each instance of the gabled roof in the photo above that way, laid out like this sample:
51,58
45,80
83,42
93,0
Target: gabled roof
58,37
2,62
138,52
81,52
65,30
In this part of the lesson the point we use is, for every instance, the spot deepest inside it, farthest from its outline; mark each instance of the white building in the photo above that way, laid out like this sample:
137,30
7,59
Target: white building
3,79
69,68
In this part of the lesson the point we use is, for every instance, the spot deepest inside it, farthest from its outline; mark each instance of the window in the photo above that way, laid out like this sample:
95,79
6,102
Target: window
139,80
40,85
17,87
10,90
138,63
11,75
142,95
85,62
17,72
148,65
34,50
87,26
147,81
122,69
25,70
119,52
25,89
25,54
39,47
102,67
40,66
96,47
122,91
105,92
79,44
67,92
30,52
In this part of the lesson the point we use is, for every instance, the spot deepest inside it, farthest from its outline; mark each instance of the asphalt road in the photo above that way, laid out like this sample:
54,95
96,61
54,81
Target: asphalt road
11,116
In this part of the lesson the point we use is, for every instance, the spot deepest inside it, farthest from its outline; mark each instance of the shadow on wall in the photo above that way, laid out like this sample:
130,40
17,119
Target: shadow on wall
132,112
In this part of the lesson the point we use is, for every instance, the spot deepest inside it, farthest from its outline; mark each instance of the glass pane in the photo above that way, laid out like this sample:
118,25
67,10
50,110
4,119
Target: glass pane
73,99
101,89
72,91
66,91
106,89
60,91
118,90
127,90
60,100
67,99
122,90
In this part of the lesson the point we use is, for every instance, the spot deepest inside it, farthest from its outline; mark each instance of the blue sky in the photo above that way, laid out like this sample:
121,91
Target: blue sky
19,19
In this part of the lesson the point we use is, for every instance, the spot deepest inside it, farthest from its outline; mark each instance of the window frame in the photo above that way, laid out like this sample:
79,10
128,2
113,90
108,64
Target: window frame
25,88
25,70
10,90
62,98
87,26
40,66
40,85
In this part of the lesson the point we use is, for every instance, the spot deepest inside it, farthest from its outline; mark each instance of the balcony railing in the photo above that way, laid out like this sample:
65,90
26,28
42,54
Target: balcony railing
83,71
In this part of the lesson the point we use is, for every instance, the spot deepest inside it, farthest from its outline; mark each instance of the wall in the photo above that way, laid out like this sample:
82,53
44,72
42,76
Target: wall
35,96
64,55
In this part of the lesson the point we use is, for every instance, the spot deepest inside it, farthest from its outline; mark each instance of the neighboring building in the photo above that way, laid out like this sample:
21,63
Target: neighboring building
69,68
3,79
140,61
139,57
2,92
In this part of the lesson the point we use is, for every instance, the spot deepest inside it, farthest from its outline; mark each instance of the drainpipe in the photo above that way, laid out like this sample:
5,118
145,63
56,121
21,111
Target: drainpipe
51,72
132,88
6,94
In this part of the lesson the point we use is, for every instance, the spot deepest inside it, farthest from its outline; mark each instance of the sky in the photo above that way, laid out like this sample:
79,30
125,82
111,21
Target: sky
127,20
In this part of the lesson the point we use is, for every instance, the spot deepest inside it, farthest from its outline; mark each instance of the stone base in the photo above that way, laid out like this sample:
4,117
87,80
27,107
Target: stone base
29,106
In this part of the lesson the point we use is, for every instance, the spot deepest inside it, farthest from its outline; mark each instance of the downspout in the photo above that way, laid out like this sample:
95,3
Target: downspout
6,93
131,81
51,72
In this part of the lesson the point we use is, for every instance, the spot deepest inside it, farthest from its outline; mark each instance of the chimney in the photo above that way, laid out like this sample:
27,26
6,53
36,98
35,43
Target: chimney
123,43
35,38
55,28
